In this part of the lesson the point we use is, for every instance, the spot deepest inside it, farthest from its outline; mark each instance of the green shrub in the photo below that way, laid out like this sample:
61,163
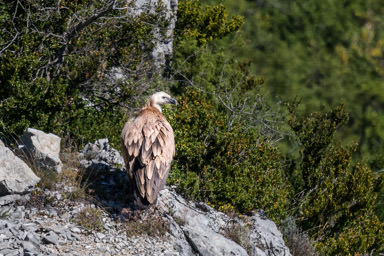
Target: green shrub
232,168
336,196
204,23
56,74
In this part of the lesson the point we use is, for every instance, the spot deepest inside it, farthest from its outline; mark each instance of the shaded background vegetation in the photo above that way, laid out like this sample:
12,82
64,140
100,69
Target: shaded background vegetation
80,68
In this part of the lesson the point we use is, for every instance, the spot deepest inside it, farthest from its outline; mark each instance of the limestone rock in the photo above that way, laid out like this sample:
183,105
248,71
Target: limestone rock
4,200
163,40
51,238
41,149
100,155
265,234
204,229
15,175
198,227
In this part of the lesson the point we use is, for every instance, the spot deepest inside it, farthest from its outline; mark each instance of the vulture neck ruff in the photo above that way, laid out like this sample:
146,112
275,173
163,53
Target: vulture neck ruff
152,103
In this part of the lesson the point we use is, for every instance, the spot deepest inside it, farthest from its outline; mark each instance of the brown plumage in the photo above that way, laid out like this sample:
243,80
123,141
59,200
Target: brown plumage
148,147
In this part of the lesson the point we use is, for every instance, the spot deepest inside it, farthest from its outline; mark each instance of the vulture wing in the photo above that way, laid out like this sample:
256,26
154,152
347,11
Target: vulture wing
148,147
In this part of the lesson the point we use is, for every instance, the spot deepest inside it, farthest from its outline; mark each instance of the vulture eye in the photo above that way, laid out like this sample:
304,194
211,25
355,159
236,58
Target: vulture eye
164,97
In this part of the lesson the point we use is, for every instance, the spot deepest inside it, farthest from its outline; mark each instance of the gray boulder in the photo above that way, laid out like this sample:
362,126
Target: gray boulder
101,156
207,230
41,150
15,175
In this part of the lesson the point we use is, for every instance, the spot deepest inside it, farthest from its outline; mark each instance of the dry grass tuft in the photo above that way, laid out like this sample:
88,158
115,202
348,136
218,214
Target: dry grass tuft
72,176
48,179
91,219
299,244
179,221
296,240
40,200
151,227
239,234
73,180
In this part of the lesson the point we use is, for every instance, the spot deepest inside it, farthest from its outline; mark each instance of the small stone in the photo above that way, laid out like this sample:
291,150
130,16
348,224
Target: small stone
39,222
28,226
43,148
13,231
32,238
75,230
15,176
100,236
75,237
22,235
4,200
65,216
51,238
52,212
9,252
18,215
29,247
3,224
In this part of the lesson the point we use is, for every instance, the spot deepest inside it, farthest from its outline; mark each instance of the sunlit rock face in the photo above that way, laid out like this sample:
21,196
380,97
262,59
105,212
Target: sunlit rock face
15,176
163,38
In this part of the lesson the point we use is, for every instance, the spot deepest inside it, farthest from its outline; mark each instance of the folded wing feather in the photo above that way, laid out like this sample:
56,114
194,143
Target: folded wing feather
148,146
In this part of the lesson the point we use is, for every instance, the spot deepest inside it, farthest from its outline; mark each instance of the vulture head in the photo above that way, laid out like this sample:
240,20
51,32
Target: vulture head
160,98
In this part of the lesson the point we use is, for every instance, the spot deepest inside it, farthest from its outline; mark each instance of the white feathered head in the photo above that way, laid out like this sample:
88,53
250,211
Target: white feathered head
160,98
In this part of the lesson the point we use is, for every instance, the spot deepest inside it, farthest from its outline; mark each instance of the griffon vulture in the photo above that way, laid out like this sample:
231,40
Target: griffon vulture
148,147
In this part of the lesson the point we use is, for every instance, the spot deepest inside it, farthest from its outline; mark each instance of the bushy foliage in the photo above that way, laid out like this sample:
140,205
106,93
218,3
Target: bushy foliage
205,23
231,168
61,66
336,196
324,52
224,149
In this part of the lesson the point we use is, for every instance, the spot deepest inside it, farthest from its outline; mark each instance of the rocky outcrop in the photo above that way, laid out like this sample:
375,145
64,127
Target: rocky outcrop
202,229
15,176
206,230
163,37
195,228
41,150
49,222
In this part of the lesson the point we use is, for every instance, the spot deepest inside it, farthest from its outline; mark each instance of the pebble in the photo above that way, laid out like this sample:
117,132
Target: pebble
51,238
75,230
33,238
29,247
100,236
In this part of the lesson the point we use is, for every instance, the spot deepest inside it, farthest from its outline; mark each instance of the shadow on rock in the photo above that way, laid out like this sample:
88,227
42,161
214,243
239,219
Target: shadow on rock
107,183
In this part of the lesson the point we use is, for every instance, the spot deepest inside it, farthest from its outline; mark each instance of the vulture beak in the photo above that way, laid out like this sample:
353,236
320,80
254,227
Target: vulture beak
172,101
